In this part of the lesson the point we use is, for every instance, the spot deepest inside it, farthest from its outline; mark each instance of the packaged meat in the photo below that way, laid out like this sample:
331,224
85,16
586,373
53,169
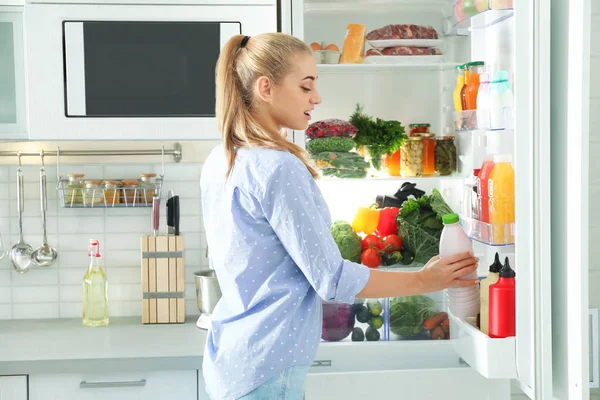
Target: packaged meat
354,44
404,31
404,51
330,128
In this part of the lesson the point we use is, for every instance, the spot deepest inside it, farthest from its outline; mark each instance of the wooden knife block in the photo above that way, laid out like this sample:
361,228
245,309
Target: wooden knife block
163,280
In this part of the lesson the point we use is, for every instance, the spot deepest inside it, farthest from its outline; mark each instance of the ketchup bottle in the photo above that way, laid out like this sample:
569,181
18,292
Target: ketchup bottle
502,304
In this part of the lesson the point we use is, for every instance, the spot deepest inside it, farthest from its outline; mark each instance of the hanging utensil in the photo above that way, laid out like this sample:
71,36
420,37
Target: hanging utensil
20,255
45,256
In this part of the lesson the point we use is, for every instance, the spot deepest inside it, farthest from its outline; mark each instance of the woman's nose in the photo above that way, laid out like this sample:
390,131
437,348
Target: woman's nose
316,99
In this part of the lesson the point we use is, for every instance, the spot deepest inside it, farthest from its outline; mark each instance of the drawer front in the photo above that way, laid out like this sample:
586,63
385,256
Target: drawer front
421,384
155,385
13,387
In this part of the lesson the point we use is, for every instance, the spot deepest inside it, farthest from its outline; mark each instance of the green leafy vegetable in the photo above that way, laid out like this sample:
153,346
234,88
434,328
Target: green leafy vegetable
407,314
378,136
420,225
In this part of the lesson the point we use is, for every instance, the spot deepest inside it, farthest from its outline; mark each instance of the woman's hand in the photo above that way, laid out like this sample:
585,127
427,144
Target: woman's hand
441,273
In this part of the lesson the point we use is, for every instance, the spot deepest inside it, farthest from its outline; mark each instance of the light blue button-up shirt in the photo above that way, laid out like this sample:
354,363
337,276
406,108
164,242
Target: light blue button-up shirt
268,233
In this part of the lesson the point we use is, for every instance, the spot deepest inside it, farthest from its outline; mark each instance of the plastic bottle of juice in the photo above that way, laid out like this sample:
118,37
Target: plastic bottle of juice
472,88
463,90
483,106
483,193
484,297
460,82
501,186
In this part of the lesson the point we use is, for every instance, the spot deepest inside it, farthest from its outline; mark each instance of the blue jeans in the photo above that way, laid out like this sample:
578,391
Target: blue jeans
287,385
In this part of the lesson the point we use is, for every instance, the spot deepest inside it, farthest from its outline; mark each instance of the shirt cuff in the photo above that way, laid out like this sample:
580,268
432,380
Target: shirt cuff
353,279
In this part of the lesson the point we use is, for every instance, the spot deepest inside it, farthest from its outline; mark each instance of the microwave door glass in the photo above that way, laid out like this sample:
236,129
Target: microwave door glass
8,97
142,69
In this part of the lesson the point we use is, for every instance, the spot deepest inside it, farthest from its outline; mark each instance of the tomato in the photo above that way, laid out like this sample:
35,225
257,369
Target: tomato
392,243
371,258
371,241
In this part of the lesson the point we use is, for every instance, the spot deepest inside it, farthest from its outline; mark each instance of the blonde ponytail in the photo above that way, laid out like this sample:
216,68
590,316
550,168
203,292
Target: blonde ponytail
269,55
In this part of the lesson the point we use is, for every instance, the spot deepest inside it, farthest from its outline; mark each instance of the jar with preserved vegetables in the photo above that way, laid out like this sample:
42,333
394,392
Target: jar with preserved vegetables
417,129
411,157
445,156
74,189
429,142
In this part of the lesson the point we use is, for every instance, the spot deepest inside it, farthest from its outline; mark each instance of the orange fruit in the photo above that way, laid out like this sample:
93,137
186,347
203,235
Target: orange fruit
315,46
332,47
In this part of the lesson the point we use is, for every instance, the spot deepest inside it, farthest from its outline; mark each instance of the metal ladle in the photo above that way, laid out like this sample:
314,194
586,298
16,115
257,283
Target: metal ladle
20,254
45,256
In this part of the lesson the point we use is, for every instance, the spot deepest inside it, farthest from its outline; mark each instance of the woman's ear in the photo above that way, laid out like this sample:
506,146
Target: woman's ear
264,89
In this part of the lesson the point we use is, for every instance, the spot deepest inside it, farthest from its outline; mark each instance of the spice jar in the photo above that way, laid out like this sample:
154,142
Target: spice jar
445,156
148,187
428,140
112,192
417,129
131,193
92,193
74,191
411,158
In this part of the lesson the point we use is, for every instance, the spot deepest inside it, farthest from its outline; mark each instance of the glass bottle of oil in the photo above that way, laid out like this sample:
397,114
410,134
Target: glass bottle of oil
95,295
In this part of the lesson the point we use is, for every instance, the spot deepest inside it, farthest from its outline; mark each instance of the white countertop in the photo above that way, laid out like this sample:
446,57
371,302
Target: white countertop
65,345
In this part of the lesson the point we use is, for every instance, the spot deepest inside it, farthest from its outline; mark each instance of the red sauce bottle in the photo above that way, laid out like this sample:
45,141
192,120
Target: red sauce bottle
502,314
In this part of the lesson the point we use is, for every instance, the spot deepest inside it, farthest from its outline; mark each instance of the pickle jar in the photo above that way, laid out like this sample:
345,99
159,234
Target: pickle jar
112,192
74,190
92,193
445,156
429,143
148,187
411,157
131,192
417,129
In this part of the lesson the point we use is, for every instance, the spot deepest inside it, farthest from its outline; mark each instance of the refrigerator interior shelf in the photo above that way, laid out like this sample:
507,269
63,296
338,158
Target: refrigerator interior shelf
490,234
373,68
492,358
484,120
138,196
396,179
496,12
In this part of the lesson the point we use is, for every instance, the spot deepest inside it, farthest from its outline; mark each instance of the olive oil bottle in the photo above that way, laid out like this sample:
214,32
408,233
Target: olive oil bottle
95,289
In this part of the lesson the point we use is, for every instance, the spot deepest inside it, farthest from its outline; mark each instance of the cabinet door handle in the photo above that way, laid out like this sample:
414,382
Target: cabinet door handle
118,384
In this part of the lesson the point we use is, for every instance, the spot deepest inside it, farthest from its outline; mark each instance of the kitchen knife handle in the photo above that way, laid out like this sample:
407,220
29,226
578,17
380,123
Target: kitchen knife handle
155,214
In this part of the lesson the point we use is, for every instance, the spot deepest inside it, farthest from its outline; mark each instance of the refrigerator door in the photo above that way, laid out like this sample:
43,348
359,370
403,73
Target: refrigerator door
570,107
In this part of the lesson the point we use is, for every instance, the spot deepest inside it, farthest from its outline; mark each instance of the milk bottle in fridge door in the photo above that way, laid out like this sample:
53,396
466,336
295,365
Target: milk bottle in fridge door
500,100
464,301
501,186
483,107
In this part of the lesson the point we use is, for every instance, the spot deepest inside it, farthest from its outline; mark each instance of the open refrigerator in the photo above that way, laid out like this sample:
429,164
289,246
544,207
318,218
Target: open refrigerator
506,36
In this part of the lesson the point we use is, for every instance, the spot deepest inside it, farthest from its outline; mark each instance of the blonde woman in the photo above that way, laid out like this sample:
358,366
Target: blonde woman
268,228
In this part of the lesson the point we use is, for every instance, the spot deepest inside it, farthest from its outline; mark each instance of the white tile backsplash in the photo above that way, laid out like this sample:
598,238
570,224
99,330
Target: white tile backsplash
55,292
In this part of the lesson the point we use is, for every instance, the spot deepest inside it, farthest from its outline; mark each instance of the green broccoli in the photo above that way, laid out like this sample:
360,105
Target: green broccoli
347,241
338,143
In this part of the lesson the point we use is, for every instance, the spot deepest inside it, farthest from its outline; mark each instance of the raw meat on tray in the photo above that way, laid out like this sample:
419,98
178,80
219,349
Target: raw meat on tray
405,51
404,31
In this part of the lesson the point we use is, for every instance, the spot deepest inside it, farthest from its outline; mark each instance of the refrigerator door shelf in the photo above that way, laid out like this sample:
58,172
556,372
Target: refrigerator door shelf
484,19
492,358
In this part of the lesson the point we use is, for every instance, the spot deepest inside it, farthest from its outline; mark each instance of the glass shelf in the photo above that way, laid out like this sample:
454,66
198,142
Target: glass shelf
371,68
489,234
481,17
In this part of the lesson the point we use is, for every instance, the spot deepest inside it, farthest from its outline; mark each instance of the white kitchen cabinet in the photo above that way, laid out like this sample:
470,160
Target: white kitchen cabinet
13,109
13,387
155,385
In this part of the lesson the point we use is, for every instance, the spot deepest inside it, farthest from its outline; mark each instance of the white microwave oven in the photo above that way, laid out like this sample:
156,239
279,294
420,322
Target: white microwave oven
130,72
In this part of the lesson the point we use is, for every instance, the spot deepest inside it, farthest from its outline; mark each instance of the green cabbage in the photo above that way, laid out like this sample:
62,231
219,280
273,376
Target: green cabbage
407,314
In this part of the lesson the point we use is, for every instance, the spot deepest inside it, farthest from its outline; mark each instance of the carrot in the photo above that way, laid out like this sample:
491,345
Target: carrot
434,321
437,333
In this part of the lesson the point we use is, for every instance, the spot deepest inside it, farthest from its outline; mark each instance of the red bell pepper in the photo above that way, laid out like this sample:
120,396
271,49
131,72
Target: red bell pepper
387,221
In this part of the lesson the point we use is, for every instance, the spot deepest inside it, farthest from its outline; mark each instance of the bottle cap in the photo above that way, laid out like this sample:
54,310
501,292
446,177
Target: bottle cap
502,158
95,247
450,219
497,265
507,271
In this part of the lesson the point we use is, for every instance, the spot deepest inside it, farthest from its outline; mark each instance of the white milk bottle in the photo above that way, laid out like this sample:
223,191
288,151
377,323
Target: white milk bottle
464,301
